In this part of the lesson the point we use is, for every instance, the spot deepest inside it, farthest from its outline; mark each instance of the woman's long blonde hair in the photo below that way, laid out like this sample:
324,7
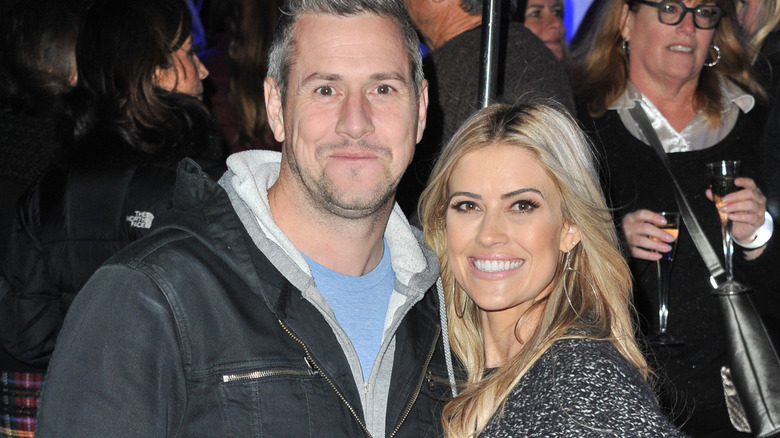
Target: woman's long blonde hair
600,67
545,130
767,21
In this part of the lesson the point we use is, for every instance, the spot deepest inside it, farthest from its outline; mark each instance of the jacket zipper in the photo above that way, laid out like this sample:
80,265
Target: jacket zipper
419,386
227,378
312,363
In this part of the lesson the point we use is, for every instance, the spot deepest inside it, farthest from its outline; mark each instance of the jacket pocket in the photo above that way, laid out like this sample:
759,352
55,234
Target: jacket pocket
259,402
280,401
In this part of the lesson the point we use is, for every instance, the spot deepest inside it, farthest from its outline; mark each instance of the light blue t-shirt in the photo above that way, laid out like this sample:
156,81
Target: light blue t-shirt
360,304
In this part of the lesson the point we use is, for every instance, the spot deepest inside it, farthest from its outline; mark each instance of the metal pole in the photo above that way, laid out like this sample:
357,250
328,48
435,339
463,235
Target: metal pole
488,68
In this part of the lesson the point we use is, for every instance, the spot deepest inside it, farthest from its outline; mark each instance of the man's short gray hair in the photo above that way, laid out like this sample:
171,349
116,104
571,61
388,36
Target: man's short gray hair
282,51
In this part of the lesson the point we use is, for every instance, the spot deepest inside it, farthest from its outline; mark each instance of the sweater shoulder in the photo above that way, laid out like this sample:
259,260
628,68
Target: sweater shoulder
580,371
582,386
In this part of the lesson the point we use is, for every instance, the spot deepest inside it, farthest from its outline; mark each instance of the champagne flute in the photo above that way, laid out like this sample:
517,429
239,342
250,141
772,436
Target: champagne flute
722,175
664,269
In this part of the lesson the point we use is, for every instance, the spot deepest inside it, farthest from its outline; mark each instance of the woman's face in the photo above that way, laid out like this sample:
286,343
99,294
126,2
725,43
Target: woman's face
747,13
505,230
186,73
662,55
545,19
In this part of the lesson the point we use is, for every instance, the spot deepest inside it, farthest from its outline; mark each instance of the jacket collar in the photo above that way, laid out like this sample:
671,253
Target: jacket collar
202,208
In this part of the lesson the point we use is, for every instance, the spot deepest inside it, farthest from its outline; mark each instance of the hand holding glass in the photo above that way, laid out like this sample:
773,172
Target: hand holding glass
722,175
664,266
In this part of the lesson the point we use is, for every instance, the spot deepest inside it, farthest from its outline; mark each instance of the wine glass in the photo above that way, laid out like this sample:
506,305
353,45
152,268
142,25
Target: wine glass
722,175
664,268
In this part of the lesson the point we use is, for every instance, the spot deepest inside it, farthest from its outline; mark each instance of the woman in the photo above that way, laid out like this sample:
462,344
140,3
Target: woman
685,66
237,58
37,68
545,19
135,112
760,22
537,293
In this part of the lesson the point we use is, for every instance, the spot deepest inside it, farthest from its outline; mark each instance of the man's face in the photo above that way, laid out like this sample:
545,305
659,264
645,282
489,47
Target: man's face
351,120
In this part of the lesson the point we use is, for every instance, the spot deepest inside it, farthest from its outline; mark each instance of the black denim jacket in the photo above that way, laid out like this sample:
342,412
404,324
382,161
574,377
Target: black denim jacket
193,332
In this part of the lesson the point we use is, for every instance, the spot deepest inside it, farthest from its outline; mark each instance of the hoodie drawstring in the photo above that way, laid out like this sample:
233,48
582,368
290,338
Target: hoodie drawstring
445,334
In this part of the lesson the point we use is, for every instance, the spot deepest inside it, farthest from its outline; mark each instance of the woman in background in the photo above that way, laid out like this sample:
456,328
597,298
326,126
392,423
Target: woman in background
239,57
37,68
133,115
545,19
685,67
760,22
536,290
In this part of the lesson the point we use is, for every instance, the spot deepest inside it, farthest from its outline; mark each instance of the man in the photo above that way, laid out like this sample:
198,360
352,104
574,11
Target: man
291,299
452,31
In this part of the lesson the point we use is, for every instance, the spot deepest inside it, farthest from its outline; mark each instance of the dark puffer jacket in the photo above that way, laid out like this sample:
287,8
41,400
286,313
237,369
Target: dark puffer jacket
70,222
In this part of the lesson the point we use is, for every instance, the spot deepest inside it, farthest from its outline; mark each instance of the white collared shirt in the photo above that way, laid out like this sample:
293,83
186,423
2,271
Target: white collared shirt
697,134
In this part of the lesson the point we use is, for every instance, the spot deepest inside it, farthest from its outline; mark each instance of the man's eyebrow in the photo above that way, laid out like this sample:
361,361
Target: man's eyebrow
317,76
333,77
389,77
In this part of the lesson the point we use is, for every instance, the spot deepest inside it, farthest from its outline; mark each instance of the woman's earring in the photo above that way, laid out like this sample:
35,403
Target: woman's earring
717,57
568,270
626,48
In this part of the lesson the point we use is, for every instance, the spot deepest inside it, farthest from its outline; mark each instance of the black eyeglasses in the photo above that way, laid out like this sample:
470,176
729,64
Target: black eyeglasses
672,12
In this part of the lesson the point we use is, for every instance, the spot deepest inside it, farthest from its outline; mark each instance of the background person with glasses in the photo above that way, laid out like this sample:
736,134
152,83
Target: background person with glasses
685,65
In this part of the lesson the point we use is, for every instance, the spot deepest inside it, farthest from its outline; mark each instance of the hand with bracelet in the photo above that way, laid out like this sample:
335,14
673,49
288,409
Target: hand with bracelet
752,224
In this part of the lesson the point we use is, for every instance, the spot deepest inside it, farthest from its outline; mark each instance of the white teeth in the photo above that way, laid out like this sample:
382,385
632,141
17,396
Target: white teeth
680,48
495,265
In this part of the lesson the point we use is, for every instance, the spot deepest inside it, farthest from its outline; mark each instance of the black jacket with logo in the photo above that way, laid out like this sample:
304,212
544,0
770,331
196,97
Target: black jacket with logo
69,222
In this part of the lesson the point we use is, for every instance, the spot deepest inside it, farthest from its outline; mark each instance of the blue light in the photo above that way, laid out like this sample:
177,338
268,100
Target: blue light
574,11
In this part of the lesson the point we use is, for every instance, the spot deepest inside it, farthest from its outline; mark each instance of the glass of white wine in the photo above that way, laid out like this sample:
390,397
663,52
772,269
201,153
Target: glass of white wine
664,268
722,175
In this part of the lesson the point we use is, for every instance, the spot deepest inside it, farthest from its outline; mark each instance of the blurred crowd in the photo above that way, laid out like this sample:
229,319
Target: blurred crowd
101,100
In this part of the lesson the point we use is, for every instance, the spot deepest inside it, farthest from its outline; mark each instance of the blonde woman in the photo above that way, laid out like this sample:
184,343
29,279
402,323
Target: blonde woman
537,293
760,22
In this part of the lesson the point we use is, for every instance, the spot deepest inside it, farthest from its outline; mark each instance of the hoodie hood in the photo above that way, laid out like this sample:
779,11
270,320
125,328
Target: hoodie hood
250,175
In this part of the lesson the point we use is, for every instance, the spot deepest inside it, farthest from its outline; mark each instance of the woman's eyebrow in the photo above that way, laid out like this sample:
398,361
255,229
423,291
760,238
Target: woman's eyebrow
521,191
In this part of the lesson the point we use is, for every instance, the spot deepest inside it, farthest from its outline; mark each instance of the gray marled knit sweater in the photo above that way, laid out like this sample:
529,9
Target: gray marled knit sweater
582,388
